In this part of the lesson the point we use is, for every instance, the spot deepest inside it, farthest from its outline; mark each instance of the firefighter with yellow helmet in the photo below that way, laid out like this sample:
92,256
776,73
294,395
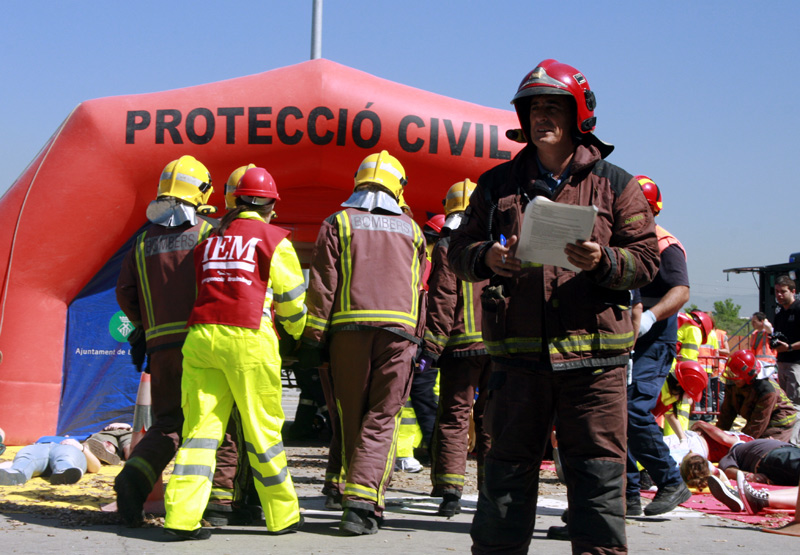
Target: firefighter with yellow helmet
363,307
453,338
246,271
156,292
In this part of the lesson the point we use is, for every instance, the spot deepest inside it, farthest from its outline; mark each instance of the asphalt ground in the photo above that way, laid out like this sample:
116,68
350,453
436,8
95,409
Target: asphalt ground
40,518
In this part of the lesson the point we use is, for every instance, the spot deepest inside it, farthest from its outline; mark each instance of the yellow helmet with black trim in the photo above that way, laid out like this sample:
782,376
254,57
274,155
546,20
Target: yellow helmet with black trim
187,179
233,182
382,169
457,198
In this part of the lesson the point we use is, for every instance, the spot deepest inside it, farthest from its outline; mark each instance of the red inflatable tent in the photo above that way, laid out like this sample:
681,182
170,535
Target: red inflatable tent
86,192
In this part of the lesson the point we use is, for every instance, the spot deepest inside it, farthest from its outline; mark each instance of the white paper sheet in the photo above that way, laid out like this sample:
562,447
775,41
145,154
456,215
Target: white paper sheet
547,228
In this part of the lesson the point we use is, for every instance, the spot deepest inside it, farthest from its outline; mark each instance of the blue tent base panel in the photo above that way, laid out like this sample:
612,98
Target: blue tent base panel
100,382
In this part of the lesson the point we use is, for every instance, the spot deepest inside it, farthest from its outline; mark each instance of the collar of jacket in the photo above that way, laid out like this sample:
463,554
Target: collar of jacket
371,201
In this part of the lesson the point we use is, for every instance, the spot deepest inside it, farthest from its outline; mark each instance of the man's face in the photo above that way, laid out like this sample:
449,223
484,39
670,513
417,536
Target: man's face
757,324
784,295
552,119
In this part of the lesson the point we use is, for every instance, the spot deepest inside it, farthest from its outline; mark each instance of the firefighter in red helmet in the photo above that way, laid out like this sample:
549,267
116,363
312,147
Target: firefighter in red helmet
653,357
548,330
248,275
767,411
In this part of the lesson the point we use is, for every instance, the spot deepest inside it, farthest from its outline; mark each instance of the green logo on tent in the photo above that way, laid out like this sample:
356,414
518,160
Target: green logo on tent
120,327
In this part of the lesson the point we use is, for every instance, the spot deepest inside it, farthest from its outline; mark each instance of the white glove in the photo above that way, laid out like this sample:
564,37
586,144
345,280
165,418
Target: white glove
630,369
648,319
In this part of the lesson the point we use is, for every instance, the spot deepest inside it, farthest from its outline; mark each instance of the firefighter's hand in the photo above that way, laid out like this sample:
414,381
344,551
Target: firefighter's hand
425,362
138,349
498,259
585,255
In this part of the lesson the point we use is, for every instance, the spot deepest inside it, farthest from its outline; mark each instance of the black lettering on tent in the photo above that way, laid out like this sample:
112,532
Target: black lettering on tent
479,140
254,124
132,126
494,151
230,122
280,125
171,125
316,138
402,133
456,146
341,129
433,148
191,130
358,120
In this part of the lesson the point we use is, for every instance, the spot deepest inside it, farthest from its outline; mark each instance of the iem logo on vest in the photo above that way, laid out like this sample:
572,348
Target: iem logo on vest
120,327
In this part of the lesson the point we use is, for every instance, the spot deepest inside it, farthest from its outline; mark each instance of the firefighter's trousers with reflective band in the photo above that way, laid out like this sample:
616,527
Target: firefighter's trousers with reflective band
460,377
223,364
371,374
589,408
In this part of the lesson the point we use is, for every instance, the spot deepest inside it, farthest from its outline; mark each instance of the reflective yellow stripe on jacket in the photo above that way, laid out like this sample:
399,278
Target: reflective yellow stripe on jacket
167,328
348,315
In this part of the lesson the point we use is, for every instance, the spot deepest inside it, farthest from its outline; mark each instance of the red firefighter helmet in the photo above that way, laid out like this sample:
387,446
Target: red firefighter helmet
651,193
553,77
742,366
435,223
692,378
257,187
704,321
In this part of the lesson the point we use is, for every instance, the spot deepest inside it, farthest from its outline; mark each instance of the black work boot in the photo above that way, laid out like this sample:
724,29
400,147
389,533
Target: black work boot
667,499
358,522
132,489
198,534
450,505
633,505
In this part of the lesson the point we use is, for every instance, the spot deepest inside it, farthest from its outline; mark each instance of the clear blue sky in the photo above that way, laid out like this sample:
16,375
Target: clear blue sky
701,96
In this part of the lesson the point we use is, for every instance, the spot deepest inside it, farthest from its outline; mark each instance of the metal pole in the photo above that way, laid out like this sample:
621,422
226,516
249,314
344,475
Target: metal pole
316,30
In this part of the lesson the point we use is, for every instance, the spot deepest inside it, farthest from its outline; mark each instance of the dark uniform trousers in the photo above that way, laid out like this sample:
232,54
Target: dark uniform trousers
371,375
590,406
645,439
459,378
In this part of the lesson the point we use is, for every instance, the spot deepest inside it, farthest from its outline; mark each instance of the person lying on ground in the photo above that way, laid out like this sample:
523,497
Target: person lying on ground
762,460
63,459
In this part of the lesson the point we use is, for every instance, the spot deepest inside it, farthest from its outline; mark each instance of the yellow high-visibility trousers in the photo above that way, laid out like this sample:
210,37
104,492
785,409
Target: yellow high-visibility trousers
223,364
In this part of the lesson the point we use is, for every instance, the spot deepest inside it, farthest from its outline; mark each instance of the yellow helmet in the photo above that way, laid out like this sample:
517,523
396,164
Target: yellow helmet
382,169
233,182
457,198
186,179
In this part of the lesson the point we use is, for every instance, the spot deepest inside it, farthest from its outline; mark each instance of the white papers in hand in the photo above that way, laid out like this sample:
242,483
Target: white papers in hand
548,226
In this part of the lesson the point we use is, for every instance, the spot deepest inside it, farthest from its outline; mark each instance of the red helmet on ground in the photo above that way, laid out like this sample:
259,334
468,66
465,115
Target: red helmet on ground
553,77
693,378
704,321
436,223
257,187
742,366
651,193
